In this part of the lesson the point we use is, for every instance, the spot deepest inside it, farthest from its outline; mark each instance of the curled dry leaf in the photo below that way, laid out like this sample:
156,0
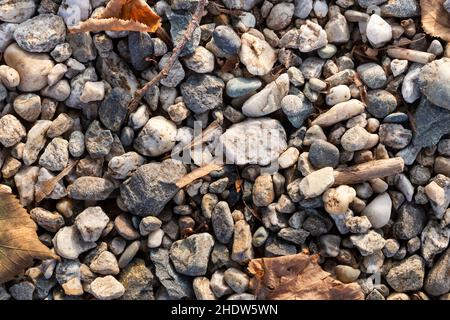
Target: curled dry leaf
435,19
119,15
298,277
19,243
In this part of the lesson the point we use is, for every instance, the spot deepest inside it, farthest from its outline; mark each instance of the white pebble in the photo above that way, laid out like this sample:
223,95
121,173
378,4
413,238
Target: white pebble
378,211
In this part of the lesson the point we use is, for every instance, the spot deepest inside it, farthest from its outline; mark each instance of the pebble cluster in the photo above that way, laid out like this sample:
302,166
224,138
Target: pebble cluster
122,227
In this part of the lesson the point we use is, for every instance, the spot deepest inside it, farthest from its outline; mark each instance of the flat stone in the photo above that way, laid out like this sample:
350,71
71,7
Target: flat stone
202,92
107,288
90,188
317,182
222,222
113,109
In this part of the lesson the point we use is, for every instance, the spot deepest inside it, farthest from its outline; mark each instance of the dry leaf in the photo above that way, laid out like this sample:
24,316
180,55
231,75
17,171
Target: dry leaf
45,188
130,15
198,173
298,277
19,243
435,19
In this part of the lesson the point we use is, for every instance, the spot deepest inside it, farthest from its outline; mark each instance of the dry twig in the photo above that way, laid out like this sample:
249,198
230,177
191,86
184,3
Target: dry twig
193,24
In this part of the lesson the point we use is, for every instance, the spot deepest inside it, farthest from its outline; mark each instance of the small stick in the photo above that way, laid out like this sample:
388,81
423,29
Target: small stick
368,171
198,173
193,24
411,55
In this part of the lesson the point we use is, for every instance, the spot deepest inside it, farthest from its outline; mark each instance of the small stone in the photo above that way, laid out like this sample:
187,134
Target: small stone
105,264
140,45
329,245
337,200
137,280
179,20
69,244
201,61
263,192
175,75
368,243
202,289
410,221
401,8
297,109
236,279
190,256
380,103
394,136
242,250
93,91
218,186
41,33
50,221
22,291
25,181
372,75
408,275
91,222
437,281
391,247
337,27
107,288
280,16
178,286
410,86
323,154
398,66
260,236
28,106
74,11
56,155
160,179
11,131
90,188
288,158
33,68
121,77
155,238
297,236
113,109
157,137
60,125
202,92
98,140
346,274
308,38
434,240
130,251
17,11
338,94
218,284
61,52
317,182
238,87
433,82
378,31
222,222
379,210
258,62
303,8
240,139
339,112
76,143
36,139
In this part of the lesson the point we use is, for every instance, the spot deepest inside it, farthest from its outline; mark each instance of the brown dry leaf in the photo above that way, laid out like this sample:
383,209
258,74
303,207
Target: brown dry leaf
19,243
43,189
198,173
435,19
130,15
298,277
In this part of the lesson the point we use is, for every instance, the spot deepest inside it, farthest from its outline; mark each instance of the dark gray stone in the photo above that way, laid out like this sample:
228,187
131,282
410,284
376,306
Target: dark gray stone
432,122
410,221
226,39
98,141
380,103
151,187
323,154
114,108
116,72
222,222
140,45
82,46
179,21
394,135
202,92
178,286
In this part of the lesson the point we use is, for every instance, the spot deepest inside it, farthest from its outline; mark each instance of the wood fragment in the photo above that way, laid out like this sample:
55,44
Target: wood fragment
45,188
411,55
198,173
368,170
193,24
